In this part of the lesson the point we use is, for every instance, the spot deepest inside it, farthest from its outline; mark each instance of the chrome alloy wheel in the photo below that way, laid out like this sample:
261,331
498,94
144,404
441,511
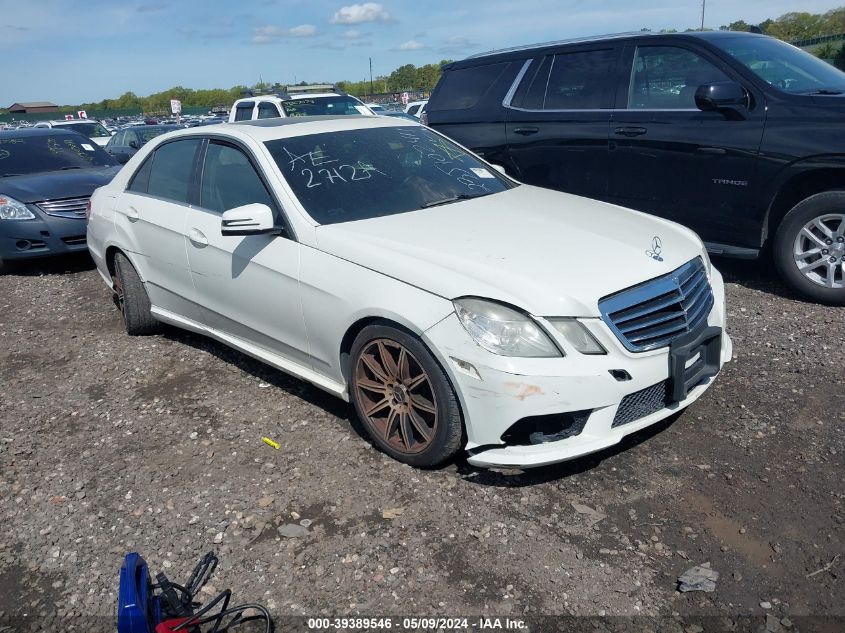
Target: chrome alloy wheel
819,250
396,396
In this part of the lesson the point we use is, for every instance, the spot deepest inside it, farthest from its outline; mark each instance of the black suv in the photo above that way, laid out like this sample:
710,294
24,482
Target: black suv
739,136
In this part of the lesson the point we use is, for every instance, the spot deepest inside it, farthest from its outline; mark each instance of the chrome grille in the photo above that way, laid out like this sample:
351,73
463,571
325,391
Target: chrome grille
66,208
654,313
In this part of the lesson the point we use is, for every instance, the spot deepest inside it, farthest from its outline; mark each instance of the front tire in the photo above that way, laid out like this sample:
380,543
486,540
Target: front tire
403,397
809,248
132,300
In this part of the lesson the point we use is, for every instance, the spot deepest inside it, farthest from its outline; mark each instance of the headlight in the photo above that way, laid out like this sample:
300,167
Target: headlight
502,330
11,209
578,336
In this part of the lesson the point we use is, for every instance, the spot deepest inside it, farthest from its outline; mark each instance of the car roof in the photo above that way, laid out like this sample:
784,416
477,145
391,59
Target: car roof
262,130
36,131
518,51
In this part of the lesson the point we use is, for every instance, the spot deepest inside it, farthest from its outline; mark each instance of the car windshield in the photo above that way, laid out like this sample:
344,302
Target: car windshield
374,172
317,106
784,66
34,154
89,129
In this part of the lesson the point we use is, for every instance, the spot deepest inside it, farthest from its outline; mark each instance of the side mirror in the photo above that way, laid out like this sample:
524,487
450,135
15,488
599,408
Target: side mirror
134,144
250,219
721,95
122,158
499,169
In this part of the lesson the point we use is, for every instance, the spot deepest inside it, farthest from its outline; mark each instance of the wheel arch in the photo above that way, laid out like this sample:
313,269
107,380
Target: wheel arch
801,186
110,254
357,326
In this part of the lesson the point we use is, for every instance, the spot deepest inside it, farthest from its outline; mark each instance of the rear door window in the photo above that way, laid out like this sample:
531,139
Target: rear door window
579,80
172,167
268,110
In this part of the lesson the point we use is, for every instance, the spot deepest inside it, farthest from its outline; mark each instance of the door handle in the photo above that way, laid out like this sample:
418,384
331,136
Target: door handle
197,237
718,151
526,131
630,131
132,214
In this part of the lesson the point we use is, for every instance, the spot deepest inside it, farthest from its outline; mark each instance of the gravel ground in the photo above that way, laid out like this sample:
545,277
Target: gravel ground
110,444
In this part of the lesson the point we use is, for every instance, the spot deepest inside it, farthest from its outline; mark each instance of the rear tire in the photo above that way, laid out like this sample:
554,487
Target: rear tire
132,300
809,248
403,397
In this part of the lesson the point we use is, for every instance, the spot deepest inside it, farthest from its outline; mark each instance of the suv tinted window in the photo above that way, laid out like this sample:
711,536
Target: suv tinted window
578,80
666,78
267,110
463,88
170,175
229,180
566,81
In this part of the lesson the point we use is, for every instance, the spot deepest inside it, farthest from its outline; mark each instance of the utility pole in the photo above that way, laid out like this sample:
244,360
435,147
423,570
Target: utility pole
371,77
703,5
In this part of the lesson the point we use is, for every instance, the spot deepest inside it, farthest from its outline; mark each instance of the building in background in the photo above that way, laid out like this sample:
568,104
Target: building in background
33,107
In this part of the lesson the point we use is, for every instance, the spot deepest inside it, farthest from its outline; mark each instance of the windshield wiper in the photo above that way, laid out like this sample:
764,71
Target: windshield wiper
460,196
69,167
823,91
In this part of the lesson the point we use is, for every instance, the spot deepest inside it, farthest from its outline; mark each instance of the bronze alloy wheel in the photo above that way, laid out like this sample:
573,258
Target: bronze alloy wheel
396,396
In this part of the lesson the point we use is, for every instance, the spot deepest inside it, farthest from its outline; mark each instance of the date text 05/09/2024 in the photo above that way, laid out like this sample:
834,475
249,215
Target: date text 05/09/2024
417,624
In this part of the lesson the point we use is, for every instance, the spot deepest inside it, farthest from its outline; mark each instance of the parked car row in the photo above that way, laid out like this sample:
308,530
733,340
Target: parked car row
735,135
454,303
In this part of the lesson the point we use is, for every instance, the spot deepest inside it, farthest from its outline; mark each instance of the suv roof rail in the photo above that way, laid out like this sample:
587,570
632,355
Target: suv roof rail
574,40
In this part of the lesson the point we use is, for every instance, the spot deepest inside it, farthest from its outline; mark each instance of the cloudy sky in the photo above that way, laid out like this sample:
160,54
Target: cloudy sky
72,51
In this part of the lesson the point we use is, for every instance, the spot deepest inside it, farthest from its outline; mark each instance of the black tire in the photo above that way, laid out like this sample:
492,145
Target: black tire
827,204
132,300
445,436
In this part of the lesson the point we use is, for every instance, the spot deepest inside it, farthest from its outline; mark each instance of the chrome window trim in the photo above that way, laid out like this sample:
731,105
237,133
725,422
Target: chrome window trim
506,102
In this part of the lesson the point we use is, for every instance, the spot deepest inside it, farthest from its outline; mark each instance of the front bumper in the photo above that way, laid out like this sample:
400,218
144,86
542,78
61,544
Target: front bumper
42,237
496,392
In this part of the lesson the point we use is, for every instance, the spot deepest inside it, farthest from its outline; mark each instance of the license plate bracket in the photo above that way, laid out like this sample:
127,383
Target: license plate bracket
706,343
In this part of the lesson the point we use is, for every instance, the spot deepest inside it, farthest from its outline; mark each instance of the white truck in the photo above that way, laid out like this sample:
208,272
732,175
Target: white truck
313,100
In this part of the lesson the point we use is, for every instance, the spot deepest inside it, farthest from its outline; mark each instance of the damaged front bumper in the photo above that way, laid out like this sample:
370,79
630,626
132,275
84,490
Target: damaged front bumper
527,412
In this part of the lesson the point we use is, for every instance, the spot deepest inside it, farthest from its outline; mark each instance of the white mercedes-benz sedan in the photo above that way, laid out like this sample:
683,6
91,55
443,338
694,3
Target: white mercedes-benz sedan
453,306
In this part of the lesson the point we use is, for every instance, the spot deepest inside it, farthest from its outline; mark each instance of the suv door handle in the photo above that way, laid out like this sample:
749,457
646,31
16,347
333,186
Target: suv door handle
132,214
630,131
197,237
526,131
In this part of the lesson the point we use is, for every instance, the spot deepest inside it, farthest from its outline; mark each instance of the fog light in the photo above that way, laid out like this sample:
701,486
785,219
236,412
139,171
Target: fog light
23,245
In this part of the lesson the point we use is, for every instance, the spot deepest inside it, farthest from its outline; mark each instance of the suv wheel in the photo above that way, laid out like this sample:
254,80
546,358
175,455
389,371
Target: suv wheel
132,300
809,247
403,398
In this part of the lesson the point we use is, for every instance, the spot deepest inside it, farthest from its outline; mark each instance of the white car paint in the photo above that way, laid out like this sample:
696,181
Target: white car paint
415,108
289,302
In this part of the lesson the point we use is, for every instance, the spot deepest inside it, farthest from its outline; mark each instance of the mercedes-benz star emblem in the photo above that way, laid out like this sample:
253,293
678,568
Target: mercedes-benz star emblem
656,249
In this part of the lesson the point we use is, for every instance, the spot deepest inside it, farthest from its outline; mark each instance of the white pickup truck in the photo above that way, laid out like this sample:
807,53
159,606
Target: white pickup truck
314,100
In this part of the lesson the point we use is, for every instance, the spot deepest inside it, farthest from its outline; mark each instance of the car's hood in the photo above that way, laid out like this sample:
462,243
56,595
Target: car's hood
549,253
71,183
